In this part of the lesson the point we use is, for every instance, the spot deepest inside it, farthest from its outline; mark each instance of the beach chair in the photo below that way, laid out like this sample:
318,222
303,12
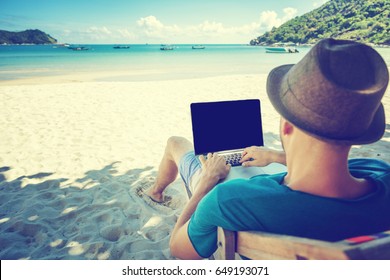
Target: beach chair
262,246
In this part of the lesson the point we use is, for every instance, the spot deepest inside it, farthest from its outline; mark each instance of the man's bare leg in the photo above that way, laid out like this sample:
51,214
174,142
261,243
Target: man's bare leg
176,148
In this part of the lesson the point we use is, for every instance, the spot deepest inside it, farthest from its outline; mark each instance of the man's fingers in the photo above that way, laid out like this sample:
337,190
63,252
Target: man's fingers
229,166
246,157
247,163
202,159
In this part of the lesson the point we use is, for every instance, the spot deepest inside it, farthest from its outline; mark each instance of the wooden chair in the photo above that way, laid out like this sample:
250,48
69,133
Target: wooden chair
262,246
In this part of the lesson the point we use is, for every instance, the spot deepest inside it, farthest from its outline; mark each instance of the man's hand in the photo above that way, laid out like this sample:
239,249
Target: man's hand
261,156
214,168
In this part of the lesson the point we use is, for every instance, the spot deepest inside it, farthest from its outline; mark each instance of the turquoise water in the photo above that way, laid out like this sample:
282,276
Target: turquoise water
147,61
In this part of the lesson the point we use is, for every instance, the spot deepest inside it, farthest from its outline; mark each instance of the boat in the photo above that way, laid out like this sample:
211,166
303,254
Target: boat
198,47
79,48
121,47
166,47
281,50
64,45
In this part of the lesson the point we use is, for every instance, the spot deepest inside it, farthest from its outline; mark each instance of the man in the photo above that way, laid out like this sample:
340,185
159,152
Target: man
328,101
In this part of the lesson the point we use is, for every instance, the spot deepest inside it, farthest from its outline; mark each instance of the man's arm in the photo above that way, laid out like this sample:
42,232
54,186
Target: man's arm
261,156
213,170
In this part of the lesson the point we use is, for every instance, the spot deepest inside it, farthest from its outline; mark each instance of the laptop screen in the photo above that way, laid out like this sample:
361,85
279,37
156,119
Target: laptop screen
226,125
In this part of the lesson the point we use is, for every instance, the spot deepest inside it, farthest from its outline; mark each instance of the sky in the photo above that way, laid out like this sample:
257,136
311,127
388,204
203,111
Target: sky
151,21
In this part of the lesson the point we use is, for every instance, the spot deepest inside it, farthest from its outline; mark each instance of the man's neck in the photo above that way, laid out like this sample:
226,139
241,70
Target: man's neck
321,171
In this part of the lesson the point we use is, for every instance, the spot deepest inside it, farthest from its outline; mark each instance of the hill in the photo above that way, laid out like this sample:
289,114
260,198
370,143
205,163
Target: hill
26,37
360,20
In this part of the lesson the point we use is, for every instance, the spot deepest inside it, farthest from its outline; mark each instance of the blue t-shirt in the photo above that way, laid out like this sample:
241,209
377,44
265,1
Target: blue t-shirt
263,203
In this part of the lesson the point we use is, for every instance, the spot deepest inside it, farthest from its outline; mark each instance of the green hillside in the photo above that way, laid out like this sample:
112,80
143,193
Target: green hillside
26,37
361,20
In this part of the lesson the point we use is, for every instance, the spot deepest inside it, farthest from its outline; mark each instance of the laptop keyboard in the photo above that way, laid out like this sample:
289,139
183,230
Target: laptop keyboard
233,159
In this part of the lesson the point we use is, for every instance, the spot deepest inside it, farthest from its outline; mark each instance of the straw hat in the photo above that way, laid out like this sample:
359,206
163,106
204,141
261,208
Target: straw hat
334,93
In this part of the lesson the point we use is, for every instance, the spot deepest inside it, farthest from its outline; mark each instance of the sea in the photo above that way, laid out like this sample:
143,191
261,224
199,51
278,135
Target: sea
143,61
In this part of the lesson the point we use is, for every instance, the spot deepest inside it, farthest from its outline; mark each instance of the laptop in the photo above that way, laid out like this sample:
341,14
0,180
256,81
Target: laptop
227,128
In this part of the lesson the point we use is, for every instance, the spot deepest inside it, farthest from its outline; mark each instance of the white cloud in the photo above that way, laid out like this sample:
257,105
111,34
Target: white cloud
125,33
210,27
210,31
95,33
101,31
289,13
98,34
151,29
269,19
150,22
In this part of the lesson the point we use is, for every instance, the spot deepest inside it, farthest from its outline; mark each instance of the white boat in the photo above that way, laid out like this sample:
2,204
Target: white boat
65,45
79,48
281,50
166,47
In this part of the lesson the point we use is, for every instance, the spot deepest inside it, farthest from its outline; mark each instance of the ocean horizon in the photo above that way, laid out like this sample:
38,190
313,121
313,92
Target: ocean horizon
140,61
143,62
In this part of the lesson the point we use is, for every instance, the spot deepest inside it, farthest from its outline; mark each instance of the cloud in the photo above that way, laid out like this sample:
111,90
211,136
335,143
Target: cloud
211,28
98,34
153,28
150,22
125,33
269,19
289,13
98,31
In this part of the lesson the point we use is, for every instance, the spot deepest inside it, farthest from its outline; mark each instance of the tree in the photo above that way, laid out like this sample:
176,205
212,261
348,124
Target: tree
367,20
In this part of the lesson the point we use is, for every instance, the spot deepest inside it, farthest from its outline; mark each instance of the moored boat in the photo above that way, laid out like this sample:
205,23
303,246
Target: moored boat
78,48
281,50
198,47
121,47
166,47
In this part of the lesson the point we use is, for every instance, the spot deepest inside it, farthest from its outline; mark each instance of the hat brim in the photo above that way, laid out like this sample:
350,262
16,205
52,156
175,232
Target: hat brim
374,132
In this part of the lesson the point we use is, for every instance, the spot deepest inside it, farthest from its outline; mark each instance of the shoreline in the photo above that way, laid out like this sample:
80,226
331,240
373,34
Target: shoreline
111,77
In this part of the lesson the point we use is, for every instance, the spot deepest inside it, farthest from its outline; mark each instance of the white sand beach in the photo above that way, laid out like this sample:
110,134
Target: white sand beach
75,153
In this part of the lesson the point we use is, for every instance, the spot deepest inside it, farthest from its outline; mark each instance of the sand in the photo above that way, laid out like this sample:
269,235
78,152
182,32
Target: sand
75,155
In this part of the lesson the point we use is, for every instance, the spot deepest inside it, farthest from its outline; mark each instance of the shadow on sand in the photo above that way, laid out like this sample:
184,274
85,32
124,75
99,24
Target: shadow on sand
99,216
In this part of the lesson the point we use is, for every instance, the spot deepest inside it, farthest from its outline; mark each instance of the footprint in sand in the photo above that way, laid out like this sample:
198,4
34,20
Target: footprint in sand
141,192
141,189
112,233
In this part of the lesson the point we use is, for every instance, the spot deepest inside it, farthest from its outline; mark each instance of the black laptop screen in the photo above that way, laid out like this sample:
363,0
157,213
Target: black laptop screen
226,125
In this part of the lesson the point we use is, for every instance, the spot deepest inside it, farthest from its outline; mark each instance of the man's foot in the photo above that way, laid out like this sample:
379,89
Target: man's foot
154,196
145,190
